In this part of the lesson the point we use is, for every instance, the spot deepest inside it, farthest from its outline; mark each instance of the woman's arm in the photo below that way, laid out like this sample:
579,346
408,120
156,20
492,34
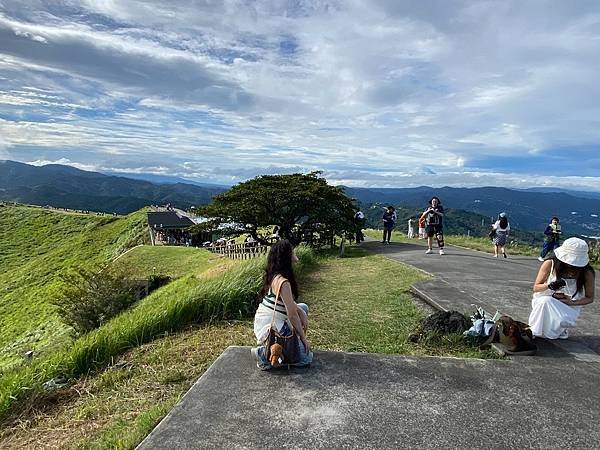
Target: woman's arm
292,312
589,287
541,284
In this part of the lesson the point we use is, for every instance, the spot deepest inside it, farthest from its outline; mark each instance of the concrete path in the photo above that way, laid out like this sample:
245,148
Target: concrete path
464,277
366,401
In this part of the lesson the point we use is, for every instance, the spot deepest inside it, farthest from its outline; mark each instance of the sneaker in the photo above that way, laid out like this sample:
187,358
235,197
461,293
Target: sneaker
504,254
442,251
389,242
428,251
540,259
564,334
495,256
257,353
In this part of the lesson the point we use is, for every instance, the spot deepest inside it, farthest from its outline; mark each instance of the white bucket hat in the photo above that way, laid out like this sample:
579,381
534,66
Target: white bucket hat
573,251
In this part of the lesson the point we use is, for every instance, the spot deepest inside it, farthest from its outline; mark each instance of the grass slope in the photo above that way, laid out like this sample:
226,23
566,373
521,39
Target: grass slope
172,261
38,245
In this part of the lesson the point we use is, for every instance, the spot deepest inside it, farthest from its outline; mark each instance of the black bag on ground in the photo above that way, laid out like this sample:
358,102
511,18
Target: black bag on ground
446,322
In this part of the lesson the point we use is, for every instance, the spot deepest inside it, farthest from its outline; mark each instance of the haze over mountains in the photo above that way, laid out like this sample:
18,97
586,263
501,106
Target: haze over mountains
68,187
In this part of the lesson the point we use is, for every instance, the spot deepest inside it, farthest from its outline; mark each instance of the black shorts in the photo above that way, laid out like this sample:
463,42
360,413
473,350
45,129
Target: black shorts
432,230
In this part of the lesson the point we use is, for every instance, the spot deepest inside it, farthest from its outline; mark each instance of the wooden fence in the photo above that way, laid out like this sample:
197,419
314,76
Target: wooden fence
241,251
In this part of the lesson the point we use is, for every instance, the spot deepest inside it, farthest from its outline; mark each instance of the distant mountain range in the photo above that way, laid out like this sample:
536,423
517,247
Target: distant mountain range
68,187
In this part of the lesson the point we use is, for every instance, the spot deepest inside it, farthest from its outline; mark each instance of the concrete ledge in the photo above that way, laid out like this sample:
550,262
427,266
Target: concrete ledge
353,400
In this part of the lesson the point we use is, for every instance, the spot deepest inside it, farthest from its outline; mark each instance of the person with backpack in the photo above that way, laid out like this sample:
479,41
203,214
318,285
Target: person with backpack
434,216
501,230
389,220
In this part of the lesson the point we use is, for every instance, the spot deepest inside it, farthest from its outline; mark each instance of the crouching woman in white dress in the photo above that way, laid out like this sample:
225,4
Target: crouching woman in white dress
563,284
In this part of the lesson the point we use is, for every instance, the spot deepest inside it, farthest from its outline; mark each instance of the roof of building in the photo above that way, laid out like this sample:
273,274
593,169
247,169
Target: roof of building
168,220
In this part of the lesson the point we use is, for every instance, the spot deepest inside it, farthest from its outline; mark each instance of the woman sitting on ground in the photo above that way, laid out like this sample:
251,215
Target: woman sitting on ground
564,283
283,311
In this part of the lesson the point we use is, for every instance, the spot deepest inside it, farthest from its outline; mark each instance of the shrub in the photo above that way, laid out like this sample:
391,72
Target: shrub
92,299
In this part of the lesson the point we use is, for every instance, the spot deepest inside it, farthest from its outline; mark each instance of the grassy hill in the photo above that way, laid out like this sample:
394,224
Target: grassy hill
38,246
144,261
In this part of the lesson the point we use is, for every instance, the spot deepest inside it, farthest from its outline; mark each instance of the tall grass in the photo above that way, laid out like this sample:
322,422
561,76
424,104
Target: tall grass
231,294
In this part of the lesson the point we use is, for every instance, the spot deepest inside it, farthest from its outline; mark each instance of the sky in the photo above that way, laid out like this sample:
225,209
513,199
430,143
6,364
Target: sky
379,93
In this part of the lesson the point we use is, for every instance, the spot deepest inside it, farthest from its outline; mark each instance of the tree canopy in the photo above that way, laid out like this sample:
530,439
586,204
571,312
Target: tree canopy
299,204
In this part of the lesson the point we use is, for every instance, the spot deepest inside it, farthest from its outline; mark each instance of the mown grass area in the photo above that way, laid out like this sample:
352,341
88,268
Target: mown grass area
39,245
357,303
144,261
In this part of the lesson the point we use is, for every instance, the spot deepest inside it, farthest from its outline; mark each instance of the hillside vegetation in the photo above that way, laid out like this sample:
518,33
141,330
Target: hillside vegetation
38,246
145,261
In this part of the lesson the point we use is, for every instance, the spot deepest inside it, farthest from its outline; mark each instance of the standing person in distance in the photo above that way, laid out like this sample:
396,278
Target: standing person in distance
389,220
422,227
502,231
359,222
551,238
434,216
411,229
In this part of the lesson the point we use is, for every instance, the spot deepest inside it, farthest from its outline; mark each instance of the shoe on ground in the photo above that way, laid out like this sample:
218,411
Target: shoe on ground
428,251
504,254
389,242
564,334
442,252
540,259
495,256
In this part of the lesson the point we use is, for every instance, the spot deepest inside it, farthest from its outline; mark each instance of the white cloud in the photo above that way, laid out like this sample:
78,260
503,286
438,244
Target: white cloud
352,87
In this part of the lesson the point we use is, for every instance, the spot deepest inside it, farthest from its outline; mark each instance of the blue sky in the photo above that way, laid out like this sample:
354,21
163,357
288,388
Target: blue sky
373,93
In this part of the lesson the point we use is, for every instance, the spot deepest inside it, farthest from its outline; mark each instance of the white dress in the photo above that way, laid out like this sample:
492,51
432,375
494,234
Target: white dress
550,317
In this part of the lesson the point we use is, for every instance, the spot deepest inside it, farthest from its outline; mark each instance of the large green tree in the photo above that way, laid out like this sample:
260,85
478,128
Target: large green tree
298,203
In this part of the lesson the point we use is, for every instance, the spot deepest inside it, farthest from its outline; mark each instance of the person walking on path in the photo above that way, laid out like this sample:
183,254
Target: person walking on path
501,230
434,216
359,222
281,311
563,284
389,220
411,230
421,227
551,238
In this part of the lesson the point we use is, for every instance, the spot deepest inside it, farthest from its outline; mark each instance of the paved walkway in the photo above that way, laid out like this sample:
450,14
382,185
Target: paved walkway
465,277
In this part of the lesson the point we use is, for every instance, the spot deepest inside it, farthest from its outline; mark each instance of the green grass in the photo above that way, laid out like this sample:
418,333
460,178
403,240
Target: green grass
175,262
361,303
38,246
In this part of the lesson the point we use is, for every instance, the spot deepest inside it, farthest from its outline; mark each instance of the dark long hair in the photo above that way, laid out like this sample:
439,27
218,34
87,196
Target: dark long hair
503,222
279,262
437,198
560,268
